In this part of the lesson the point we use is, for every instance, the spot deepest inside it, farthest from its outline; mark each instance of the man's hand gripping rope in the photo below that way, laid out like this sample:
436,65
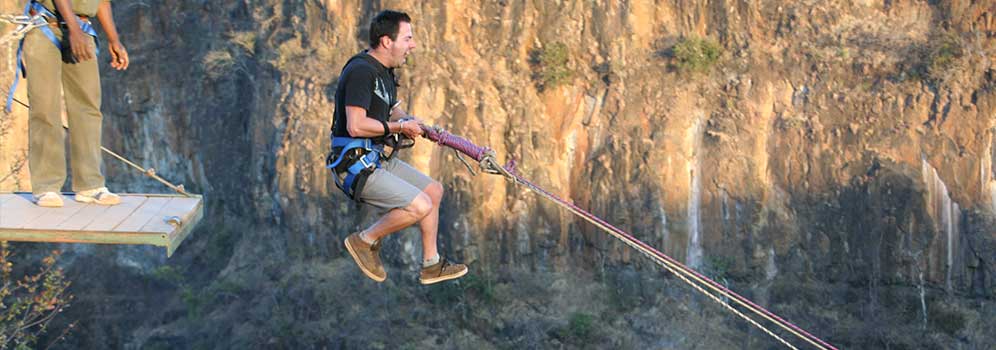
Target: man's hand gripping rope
487,158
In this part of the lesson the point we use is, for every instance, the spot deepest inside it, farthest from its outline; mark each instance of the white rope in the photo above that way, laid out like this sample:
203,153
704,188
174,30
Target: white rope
24,25
676,269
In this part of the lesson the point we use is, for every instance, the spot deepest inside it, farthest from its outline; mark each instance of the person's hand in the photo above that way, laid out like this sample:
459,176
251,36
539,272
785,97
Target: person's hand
80,45
119,56
411,129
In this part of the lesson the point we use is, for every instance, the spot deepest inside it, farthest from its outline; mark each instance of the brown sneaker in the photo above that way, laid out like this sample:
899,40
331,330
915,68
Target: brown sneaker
367,257
442,271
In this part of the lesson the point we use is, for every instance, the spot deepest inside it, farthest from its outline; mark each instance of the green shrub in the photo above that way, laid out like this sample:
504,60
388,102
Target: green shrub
483,287
445,293
581,325
944,50
195,302
718,267
696,55
550,63
580,328
946,318
933,60
477,287
168,275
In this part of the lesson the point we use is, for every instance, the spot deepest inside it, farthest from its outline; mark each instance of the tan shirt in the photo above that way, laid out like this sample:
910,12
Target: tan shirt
80,7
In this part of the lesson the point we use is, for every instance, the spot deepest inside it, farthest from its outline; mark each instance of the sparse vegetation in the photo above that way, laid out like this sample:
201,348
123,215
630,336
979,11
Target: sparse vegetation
946,318
29,304
718,267
195,302
289,52
843,53
551,66
935,59
693,54
217,63
480,287
19,161
167,274
945,49
244,40
580,328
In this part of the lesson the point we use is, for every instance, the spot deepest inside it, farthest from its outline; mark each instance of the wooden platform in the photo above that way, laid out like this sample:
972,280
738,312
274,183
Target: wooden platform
156,219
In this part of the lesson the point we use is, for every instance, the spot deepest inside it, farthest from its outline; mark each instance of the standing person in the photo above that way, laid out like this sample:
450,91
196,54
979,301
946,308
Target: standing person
367,113
61,61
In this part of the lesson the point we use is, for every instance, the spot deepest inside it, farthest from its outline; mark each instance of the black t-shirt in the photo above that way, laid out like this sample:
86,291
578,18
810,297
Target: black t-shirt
367,84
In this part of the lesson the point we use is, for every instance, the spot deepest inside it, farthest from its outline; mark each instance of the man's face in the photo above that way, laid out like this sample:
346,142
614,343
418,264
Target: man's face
399,49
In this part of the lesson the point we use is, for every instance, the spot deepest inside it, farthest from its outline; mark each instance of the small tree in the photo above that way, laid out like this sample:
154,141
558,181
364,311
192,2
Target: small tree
28,305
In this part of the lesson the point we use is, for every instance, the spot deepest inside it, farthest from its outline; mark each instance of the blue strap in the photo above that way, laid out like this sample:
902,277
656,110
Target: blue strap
45,29
17,77
87,27
31,5
369,160
348,143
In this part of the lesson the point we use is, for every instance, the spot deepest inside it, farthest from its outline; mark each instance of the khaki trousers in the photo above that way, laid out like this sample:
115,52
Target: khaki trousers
49,78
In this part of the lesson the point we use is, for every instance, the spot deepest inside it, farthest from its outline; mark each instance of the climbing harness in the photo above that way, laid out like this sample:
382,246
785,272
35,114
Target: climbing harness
358,158
488,163
26,23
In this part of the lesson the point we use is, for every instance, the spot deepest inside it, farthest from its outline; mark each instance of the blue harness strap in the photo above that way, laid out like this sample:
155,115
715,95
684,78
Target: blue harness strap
360,168
87,28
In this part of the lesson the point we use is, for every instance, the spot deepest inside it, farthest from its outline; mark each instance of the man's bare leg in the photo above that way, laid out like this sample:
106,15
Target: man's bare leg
435,268
399,218
429,225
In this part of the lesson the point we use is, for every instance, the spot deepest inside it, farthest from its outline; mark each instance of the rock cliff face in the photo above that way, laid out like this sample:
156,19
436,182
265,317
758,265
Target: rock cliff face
836,164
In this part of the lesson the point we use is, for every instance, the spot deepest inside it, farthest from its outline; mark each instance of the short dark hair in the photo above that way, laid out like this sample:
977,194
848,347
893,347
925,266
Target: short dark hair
386,22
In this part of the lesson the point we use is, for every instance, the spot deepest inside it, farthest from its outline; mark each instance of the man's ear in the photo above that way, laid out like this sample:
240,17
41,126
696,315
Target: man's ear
385,41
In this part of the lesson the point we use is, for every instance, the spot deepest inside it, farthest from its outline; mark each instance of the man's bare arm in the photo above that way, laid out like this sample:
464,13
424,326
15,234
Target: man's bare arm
359,125
119,56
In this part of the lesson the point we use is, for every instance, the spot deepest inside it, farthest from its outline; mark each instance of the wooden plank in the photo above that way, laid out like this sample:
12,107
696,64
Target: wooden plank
85,216
142,215
19,210
6,197
180,207
101,224
52,217
114,215
100,237
181,233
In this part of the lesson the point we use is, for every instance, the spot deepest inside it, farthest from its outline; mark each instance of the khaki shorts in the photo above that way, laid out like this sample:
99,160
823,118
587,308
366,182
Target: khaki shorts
394,185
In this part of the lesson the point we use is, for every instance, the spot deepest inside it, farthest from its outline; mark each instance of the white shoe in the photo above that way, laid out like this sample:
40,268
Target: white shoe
98,196
49,200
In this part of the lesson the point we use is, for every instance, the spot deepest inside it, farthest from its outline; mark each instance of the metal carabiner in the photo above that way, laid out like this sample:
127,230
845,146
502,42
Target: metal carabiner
24,24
